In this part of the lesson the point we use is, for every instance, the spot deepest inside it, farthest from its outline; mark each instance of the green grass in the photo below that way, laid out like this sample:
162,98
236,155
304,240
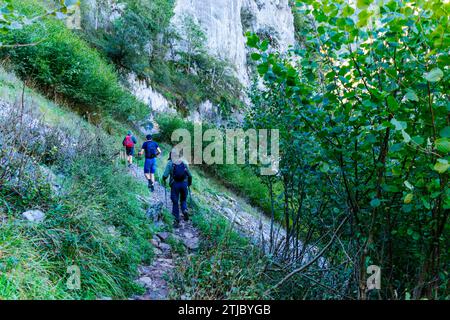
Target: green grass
77,231
25,271
51,113
227,266
97,223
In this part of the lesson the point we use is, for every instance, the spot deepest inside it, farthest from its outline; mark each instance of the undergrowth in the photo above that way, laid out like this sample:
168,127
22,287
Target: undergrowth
228,265
239,178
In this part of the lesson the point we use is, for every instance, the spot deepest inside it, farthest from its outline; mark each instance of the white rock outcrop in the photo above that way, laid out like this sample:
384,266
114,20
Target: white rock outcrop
144,92
226,21
99,13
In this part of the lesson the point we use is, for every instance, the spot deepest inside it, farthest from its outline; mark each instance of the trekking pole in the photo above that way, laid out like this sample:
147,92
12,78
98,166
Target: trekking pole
190,196
165,195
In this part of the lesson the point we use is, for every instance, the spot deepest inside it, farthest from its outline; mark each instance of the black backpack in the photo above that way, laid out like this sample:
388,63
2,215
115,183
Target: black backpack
179,172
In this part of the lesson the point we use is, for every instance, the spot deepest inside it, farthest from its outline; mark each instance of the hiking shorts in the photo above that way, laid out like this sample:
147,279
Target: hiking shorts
130,151
150,165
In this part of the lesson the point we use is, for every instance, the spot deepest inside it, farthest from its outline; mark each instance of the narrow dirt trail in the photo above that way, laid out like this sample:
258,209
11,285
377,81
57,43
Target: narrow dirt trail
155,277
245,218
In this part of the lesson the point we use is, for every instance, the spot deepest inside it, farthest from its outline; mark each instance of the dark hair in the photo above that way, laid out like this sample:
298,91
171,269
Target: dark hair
149,137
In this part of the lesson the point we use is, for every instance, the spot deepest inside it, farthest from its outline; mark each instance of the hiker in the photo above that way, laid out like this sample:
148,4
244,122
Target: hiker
180,180
129,143
152,151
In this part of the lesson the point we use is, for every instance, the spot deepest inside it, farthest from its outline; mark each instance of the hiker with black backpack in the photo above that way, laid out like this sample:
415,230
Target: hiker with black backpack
180,181
152,151
129,143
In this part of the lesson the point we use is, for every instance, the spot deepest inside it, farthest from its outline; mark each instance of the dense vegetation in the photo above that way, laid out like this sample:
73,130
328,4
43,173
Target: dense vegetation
66,68
228,266
174,61
240,178
364,124
53,161
363,110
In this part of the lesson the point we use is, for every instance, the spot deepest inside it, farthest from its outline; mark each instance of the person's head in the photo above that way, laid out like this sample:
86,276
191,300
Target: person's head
129,133
149,137
175,155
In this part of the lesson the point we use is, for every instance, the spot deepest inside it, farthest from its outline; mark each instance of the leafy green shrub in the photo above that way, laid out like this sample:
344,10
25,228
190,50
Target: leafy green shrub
365,105
63,65
124,43
228,266
240,178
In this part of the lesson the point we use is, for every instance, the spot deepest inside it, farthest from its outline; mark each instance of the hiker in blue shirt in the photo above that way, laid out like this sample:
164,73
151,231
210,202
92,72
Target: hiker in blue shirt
152,151
180,179
129,143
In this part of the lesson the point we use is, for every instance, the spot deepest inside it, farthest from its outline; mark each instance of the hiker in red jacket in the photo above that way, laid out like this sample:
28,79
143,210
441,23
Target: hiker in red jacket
129,143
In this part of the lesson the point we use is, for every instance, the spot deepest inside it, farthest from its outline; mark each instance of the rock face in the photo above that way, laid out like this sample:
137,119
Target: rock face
144,92
99,13
226,21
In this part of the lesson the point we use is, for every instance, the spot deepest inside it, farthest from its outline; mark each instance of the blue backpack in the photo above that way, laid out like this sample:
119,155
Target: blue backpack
151,151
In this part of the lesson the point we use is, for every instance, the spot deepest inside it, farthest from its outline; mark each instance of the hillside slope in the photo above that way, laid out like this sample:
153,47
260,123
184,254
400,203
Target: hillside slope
97,216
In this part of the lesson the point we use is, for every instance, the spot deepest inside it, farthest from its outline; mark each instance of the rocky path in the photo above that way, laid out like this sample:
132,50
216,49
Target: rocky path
246,219
155,277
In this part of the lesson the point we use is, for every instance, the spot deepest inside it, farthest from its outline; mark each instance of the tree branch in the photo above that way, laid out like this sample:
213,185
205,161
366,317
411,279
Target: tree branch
304,267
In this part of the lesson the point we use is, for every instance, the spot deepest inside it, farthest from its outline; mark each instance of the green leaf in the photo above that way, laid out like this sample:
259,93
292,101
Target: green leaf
324,167
434,75
406,136
399,125
392,103
443,145
409,197
264,45
375,203
441,166
363,4
411,95
263,68
252,40
347,11
255,56
445,133
418,140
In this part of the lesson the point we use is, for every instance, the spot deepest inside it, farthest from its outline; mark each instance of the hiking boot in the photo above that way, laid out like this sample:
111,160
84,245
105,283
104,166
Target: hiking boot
176,224
186,216
150,186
